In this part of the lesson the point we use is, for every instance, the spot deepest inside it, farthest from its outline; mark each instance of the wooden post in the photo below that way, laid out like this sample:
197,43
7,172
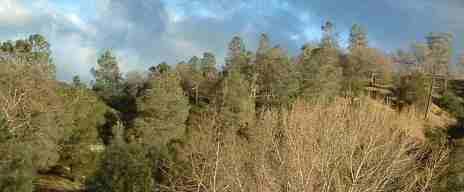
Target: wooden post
446,84
429,99
196,94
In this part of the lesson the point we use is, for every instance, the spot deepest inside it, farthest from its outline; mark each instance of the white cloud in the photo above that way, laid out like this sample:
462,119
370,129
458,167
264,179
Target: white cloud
76,20
13,13
295,37
74,57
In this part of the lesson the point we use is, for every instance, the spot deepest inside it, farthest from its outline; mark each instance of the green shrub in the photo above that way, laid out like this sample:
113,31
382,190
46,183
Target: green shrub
452,103
16,167
17,172
123,168
412,89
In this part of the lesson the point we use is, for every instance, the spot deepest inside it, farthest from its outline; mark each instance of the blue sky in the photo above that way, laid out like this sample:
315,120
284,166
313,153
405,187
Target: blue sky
146,32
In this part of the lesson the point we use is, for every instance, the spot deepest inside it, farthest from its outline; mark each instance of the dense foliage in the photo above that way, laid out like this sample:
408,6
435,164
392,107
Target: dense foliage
266,121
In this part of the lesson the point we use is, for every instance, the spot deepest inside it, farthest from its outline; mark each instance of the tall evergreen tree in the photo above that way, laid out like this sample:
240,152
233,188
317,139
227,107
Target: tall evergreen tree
235,101
195,64
421,53
264,44
440,45
261,55
358,64
329,52
329,37
85,114
205,92
239,58
108,78
236,47
358,38
321,73
208,66
276,80
163,111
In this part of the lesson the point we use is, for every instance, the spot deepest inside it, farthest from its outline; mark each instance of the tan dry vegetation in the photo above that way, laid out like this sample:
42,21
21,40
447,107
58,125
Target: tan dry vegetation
314,147
32,108
439,118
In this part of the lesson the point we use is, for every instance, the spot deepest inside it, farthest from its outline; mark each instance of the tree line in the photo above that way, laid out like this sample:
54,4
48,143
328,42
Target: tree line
130,132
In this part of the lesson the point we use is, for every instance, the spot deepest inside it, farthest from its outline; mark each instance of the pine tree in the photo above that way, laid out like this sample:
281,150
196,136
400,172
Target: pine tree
276,80
358,38
239,58
191,76
422,52
329,53
236,102
261,62
412,90
85,114
440,45
208,66
108,78
358,64
205,93
236,47
163,111
329,37
264,44
195,64
320,71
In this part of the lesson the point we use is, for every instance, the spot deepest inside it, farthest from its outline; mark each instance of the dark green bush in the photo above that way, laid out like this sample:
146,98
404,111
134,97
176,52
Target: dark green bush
17,172
123,168
452,104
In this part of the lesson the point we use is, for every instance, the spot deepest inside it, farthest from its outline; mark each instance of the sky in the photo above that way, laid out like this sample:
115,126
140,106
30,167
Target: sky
143,33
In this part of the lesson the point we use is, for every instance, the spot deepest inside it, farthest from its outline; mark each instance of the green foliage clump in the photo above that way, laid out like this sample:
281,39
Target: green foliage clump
108,78
163,110
320,76
84,115
412,90
124,168
452,103
276,80
16,167
237,107
320,70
